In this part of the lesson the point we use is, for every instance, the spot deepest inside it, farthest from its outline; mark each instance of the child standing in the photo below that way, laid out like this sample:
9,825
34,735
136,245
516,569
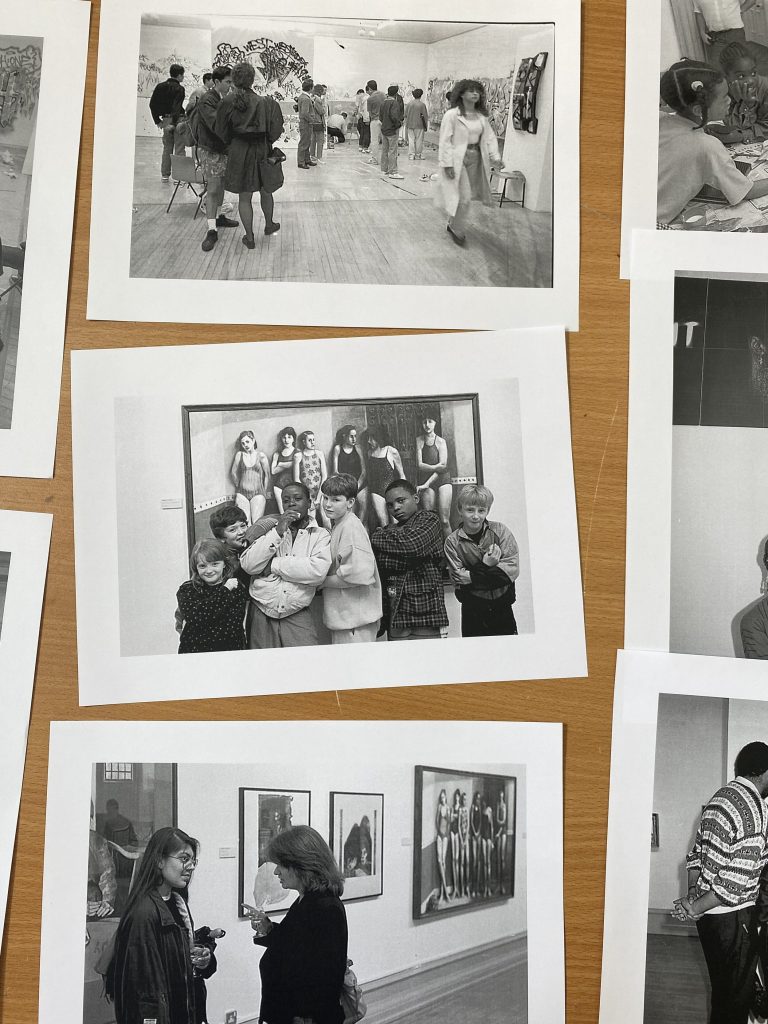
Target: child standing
747,119
689,158
484,563
212,603
416,124
410,555
352,588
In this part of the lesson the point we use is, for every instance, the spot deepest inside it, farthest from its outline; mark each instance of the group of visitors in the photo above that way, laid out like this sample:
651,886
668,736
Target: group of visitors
158,966
234,131
285,580
477,838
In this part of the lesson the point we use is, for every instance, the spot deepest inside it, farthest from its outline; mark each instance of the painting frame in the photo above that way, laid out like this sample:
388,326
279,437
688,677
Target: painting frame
244,834
430,908
354,885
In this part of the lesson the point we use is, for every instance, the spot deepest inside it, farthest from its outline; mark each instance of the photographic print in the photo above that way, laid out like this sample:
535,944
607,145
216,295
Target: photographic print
464,841
357,841
22,583
264,814
703,116
693,437
332,158
42,72
288,514
689,737
248,785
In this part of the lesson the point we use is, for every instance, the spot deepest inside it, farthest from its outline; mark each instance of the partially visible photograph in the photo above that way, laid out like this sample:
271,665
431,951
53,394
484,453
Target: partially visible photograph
21,62
5,564
357,840
713,116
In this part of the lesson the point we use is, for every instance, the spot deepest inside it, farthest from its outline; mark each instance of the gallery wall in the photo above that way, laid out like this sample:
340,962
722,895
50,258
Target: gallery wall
161,46
21,57
346,70
150,461
383,938
719,524
691,750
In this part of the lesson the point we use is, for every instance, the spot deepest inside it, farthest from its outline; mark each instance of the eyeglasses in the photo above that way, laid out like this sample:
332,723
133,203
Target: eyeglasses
185,860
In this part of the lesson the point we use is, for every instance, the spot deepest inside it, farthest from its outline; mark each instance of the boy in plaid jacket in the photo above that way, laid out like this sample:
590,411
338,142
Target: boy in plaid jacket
409,554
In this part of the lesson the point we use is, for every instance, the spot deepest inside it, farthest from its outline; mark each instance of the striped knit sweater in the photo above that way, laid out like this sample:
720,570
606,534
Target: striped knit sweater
730,847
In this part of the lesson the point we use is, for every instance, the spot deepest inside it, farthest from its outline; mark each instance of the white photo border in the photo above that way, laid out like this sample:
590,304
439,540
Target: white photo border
26,535
640,678
536,358
114,295
27,448
76,746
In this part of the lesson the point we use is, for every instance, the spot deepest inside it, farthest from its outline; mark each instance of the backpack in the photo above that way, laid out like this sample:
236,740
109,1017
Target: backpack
352,1002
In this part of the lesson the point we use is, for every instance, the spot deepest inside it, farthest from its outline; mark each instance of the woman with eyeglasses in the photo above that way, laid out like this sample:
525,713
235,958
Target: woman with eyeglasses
302,969
157,959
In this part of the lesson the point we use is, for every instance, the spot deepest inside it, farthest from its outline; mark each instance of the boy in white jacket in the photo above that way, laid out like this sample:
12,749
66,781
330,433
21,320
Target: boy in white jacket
352,588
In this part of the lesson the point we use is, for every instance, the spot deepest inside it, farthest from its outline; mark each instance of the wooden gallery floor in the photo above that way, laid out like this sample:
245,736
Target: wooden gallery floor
342,222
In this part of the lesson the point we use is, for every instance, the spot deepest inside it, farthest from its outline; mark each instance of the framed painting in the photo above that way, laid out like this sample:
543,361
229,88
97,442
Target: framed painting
264,813
357,840
464,840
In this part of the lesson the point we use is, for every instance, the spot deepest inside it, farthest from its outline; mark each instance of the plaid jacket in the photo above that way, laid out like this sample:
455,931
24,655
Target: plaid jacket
410,557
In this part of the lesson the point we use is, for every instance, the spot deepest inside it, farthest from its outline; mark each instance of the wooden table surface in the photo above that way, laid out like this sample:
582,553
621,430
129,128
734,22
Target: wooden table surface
598,380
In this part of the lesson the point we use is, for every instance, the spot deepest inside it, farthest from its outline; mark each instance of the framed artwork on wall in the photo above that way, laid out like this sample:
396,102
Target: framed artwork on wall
357,840
464,840
264,813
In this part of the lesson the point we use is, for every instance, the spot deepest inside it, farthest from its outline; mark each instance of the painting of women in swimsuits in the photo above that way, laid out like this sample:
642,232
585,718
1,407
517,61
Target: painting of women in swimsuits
454,870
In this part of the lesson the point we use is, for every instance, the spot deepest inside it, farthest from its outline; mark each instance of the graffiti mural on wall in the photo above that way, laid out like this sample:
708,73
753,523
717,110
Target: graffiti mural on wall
281,64
497,90
152,72
20,68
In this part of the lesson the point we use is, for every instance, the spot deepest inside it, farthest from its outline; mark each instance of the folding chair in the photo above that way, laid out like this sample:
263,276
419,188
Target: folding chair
185,170
506,176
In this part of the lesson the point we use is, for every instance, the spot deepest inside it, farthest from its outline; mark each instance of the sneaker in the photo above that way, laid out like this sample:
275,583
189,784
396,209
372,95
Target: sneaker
372,160
400,177
270,229
226,222
411,156
303,167
166,180
210,240
312,163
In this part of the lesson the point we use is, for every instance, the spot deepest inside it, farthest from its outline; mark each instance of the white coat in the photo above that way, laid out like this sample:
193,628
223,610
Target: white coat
454,139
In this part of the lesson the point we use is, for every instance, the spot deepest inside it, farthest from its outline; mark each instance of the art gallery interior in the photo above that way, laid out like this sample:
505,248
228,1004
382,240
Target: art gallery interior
345,222
697,741
153,496
459,966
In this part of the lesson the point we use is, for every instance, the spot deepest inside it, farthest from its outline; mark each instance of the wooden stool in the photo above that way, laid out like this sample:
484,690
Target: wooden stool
506,176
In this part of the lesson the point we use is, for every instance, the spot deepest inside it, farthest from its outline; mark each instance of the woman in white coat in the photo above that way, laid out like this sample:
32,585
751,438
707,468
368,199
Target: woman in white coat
467,153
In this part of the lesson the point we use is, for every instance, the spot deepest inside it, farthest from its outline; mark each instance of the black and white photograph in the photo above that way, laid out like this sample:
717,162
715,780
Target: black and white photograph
42,72
264,814
704,116
171,831
356,837
24,543
697,396
278,528
688,944
337,157
464,853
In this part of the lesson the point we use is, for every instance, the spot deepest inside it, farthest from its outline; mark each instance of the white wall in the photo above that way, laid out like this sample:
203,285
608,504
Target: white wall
161,46
691,755
670,46
488,52
152,541
747,722
383,938
345,71
719,521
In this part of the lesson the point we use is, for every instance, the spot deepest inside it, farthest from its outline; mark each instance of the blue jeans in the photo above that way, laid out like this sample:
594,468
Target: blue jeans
389,153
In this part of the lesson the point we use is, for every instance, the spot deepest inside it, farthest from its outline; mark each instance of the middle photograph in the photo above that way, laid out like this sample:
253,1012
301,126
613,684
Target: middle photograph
293,515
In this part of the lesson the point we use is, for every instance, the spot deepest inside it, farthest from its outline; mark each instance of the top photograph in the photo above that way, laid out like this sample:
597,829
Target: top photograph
370,172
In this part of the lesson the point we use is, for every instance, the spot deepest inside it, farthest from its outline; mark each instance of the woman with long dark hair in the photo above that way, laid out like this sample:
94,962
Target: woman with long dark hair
467,152
302,969
152,973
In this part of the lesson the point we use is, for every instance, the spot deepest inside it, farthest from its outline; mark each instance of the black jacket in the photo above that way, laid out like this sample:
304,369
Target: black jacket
754,630
302,970
151,971
167,99
204,122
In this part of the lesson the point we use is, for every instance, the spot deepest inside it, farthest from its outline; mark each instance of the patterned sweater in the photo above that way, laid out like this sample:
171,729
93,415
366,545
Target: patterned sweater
730,845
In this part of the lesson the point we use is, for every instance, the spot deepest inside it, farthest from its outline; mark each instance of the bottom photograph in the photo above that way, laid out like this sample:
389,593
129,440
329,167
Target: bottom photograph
296,886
